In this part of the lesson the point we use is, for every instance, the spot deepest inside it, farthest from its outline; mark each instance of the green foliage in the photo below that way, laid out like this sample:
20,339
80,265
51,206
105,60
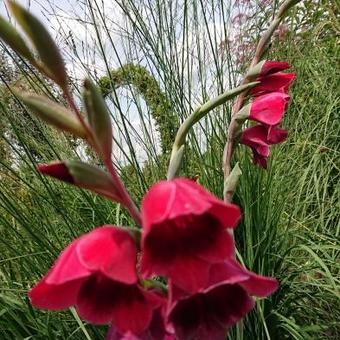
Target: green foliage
290,226
147,86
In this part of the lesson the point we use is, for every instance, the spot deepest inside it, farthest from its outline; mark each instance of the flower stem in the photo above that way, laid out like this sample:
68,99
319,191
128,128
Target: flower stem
198,114
121,190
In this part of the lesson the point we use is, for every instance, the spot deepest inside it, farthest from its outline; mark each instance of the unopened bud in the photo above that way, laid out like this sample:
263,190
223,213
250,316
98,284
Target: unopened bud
98,117
53,113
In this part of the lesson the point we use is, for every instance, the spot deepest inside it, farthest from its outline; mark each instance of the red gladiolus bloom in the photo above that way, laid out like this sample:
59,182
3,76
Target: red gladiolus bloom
185,231
259,137
208,313
277,82
269,108
96,273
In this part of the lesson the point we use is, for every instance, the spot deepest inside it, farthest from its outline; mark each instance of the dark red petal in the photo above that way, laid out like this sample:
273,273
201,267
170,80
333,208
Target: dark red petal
223,247
135,314
58,170
255,136
183,242
276,135
270,67
208,315
98,297
67,267
55,297
111,251
259,159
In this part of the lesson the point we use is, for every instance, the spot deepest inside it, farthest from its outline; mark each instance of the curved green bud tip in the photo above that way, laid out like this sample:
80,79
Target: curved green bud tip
231,181
243,114
98,117
52,113
51,59
12,38
175,162
256,70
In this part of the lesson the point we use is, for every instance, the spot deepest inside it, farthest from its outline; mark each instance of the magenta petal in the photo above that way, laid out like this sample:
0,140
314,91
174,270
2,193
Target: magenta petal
55,297
165,200
254,136
57,170
277,82
269,108
111,251
260,286
190,274
227,214
257,285
67,267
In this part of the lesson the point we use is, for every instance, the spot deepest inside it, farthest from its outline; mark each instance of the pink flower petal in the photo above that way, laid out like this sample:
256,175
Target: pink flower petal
111,251
269,108
55,297
277,82
67,267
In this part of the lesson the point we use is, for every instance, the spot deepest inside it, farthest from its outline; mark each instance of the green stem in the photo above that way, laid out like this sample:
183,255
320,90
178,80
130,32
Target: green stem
198,114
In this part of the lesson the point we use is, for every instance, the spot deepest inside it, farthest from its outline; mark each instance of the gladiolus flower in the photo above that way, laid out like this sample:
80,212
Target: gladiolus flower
96,273
208,313
184,232
277,82
267,109
259,137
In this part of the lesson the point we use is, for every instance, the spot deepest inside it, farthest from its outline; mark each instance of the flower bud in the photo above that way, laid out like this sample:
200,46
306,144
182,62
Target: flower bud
11,37
82,175
53,113
231,181
52,61
175,161
98,117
